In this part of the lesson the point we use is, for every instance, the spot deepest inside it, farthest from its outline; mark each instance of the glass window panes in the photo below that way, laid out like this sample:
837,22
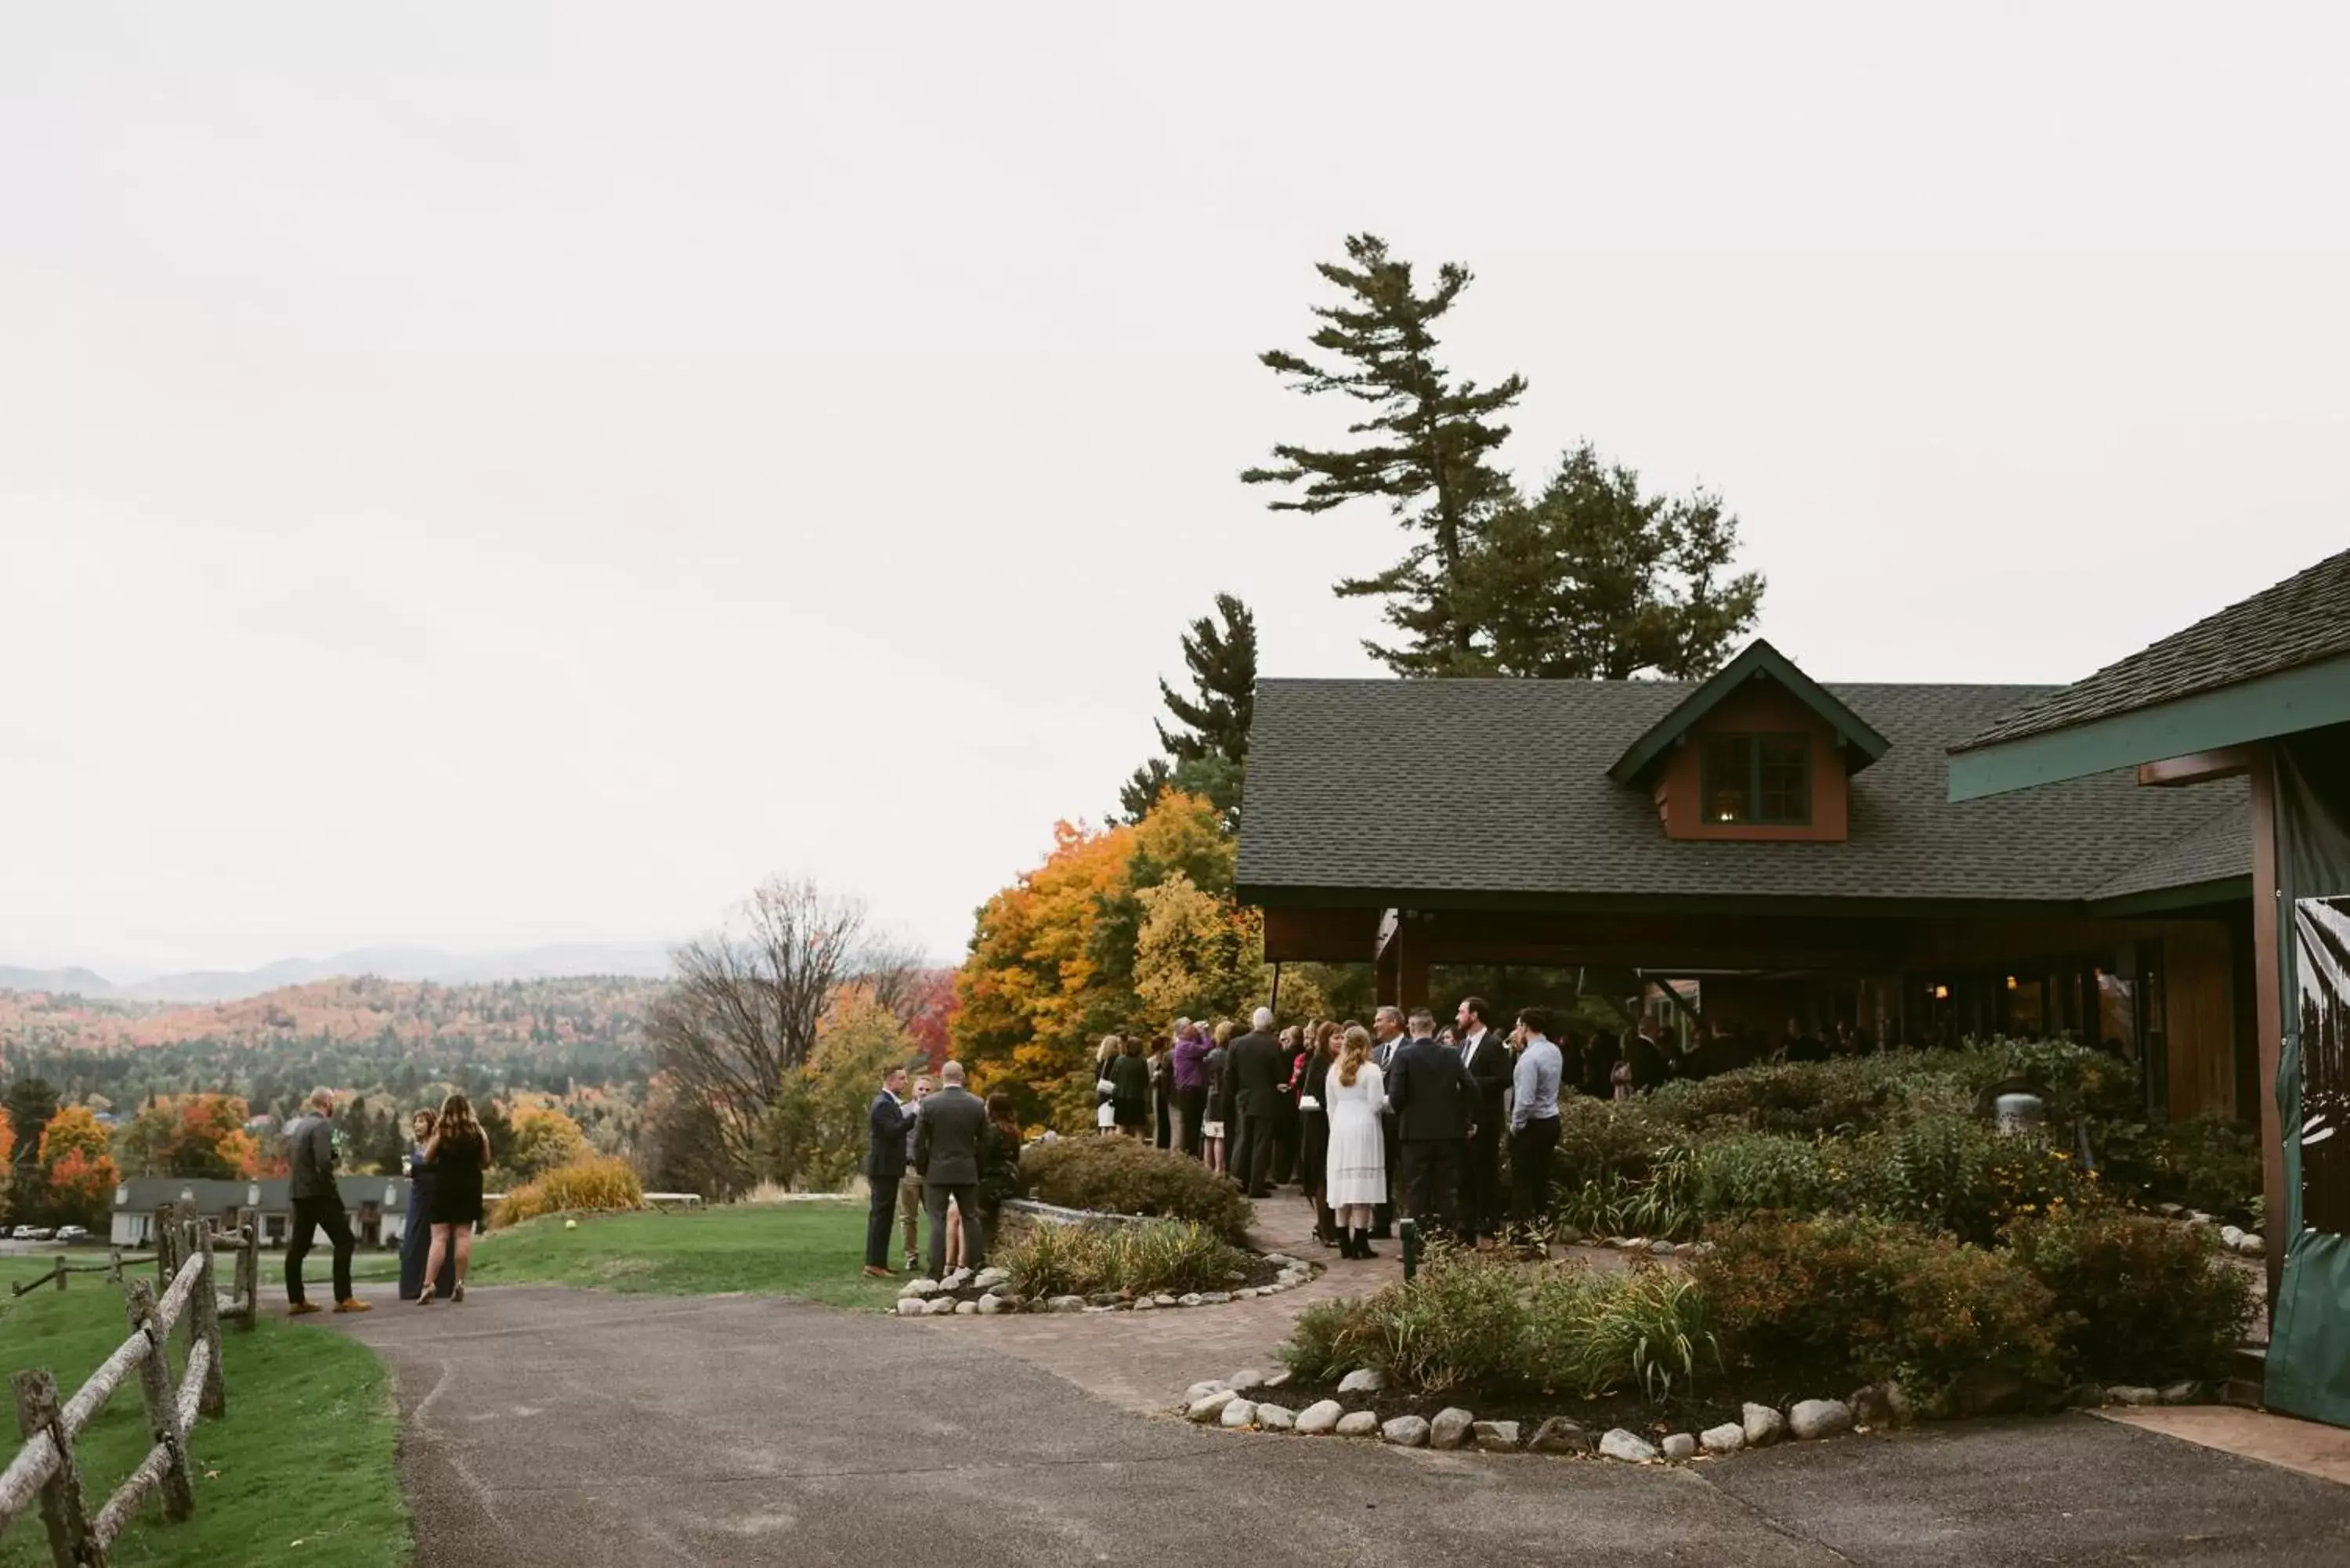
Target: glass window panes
1758,779
1729,778
1782,766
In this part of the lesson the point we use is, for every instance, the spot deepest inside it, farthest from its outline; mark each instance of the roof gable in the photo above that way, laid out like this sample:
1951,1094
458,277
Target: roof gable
1861,744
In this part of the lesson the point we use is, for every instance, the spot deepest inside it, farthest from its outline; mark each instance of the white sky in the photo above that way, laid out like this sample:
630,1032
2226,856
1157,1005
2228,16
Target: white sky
490,474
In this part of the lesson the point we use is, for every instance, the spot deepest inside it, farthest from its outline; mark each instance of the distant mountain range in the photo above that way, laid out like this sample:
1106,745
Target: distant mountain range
646,961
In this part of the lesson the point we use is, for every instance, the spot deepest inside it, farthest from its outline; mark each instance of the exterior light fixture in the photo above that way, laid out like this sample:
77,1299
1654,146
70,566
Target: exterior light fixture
2011,982
1941,993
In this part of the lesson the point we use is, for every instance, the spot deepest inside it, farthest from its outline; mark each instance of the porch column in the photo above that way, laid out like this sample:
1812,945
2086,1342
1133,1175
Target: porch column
2268,1006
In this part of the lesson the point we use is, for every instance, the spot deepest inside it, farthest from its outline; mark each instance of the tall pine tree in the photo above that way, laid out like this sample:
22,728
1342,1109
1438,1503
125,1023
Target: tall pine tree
1428,452
1206,752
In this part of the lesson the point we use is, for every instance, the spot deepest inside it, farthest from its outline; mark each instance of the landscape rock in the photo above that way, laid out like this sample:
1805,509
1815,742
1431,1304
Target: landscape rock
1146,1303
1104,1299
2197,1217
1357,1424
1210,1406
1637,1244
1204,1388
2232,1237
1819,1417
1066,1304
1239,1413
2084,1397
911,1306
1406,1431
2128,1394
1320,1417
1619,1444
939,1306
956,1279
1494,1437
2254,1245
988,1279
1277,1379
968,1309
988,1306
1362,1380
1662,1249
2183,1394
922,1288
1763,1426
1162,1299
1245,1293
2170,1211
1680,1446
1276,1417
1450,1427
1247,1377
1189,1298
1560,1436
1726,1438
1214,1298
1870,1407
1896,1404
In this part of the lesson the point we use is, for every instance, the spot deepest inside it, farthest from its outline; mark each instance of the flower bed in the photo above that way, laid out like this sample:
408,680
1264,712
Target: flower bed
1136,1266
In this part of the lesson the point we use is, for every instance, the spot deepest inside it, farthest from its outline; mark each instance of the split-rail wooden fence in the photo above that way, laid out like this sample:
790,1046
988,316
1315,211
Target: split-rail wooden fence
45,1472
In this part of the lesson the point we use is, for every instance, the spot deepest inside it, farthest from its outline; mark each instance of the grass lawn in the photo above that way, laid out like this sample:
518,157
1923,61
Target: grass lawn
299,1469
809,1249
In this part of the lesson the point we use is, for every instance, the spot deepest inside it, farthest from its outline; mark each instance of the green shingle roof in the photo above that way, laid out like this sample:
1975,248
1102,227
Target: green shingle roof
2303,620
1429,791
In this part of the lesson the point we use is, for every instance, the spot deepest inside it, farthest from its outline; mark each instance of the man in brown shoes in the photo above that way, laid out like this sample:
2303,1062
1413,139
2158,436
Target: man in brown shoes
317,1206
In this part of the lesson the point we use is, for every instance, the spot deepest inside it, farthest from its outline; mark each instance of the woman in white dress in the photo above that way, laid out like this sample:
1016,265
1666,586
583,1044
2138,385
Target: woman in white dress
1356,1177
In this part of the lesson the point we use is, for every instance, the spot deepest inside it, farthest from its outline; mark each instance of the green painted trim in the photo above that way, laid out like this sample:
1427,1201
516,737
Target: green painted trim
2164,900
1759,659
2309,698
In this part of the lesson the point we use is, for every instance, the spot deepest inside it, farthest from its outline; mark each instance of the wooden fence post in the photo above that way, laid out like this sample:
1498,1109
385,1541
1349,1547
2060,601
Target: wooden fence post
162,1404
165,1264
61,1500
114,1265
204,1326
61,1273
247,1288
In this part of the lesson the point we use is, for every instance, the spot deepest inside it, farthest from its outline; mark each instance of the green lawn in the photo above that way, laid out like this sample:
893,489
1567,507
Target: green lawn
301,1469
809,1249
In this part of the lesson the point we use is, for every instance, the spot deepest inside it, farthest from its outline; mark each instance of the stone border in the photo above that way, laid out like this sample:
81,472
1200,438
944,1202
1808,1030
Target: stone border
1222,1402
988,1292
2233,1238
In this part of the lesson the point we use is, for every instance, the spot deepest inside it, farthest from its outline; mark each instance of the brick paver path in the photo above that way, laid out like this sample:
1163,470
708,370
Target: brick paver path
1144,1360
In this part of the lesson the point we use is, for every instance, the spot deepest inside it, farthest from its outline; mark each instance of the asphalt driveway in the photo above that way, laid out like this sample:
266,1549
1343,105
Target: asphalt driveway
566,1427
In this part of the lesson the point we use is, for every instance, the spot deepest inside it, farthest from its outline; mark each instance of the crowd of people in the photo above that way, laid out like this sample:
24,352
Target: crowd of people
446,1166
942,1151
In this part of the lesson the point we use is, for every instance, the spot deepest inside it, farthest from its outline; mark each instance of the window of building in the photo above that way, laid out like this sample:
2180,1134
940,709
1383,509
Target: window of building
1758,779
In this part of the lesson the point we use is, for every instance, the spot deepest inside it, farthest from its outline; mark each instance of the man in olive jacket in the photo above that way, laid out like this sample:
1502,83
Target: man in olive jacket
317,1206
946,1151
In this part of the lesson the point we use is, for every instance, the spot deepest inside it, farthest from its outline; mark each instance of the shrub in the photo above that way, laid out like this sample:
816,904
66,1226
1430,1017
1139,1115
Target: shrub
603,1183
1801,1097
2208,1163
1050,1259
1838,1301
1126,1176
1960,1175
1592,1334
1321,1347
1747,1173
2142,1301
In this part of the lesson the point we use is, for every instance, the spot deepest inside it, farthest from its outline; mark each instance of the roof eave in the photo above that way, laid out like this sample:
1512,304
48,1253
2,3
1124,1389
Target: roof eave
2309,697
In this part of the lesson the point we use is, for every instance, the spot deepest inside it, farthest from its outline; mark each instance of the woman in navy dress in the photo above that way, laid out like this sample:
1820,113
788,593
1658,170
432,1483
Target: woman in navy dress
416,1235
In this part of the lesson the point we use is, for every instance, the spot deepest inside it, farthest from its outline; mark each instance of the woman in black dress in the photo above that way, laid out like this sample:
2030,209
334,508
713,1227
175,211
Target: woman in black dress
1129,1098
457,1153
999,1166
1314,1128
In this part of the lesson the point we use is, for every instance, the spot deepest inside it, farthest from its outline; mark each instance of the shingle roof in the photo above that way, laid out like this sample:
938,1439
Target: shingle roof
1437,787
1861,742
2304,619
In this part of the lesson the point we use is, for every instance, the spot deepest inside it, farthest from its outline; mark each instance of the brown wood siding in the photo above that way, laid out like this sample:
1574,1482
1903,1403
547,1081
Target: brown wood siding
2198,978
1762,709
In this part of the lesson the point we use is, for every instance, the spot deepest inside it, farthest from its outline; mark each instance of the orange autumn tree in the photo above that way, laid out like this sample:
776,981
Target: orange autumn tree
1052,962
77,1169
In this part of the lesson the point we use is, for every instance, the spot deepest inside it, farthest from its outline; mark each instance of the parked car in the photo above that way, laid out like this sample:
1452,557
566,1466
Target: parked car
72,1233
35,1233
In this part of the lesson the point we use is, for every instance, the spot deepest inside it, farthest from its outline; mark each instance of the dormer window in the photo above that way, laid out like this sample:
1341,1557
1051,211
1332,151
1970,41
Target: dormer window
1757,779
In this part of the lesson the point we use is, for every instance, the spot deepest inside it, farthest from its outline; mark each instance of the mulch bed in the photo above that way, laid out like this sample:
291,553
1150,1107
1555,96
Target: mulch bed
1716,1399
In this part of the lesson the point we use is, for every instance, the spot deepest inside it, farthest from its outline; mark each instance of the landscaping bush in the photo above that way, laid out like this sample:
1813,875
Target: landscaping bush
1748,1173
1855,1093
603,1183
1959,1175
1592,1334
1126,1176
1845,1302
1050,1259
2208,1163
2141,1300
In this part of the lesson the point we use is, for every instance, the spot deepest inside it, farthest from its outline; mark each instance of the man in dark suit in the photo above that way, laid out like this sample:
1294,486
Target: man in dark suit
887,1123
946,1151
1486,1055
1436,1110
1257,1070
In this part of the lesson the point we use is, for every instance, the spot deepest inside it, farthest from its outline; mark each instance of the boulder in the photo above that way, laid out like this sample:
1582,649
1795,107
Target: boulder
2232,1237
1210,1406
1450,1427
1896,1404
911,1306
1104,1299
1146,1303
1239,1413
2170,1211
1066,1304
2183,1394
988,1306
1162,1299
1206,1387
1276,1417
989,1279
1726,1438
1362,1380
1189,1298
1680,1446
1870,1407
2129,1394
1560,1436
2084,1397
2254,1245
1277,1379
939,1306
1619,1444
1662,1249
1494,1437
1320,1417
954,1279
1357,1424
1406,1431
1763,1426
1214,1298
1245,1378
968,1309
1245,1293
1819,1417
2197,1217
918,1288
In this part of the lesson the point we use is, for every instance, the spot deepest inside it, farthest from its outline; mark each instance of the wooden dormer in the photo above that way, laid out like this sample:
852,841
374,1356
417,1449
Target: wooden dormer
1760,752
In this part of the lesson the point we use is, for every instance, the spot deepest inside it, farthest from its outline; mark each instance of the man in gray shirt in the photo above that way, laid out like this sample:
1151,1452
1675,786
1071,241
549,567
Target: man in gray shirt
317,1206
1534,1122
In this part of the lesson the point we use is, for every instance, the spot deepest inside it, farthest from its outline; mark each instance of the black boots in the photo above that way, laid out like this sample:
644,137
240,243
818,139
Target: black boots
1363,1245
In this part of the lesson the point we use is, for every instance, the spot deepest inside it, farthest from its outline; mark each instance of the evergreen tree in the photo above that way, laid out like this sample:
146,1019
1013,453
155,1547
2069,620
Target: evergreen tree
1207,754
1428,456
1593,580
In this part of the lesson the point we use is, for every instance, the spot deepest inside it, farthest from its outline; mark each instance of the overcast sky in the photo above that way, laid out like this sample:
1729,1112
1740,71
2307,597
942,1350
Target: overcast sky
485,474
